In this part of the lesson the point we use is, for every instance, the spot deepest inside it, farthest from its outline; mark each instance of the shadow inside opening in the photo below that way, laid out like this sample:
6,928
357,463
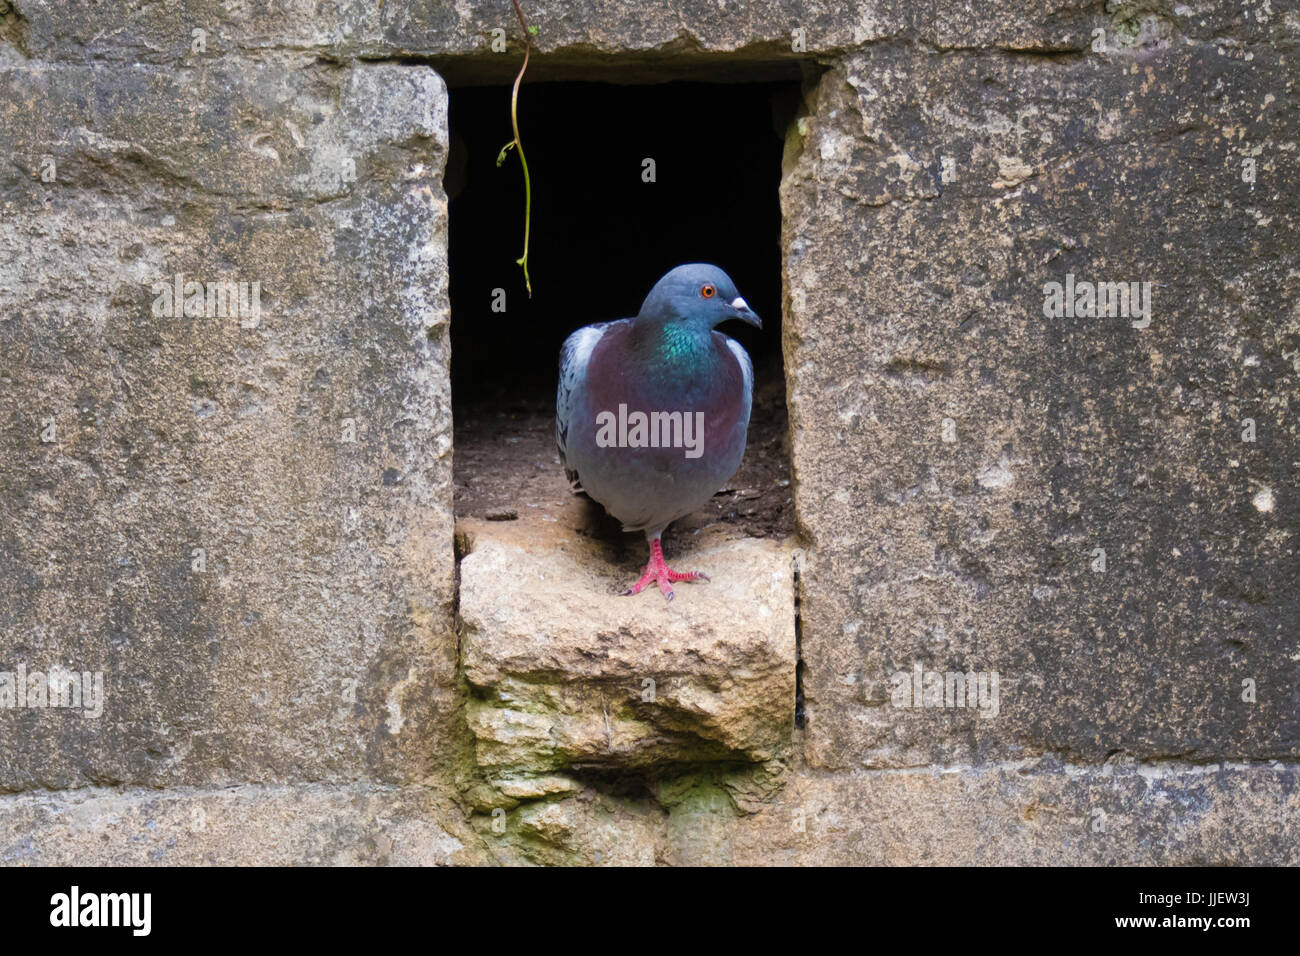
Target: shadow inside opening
601,236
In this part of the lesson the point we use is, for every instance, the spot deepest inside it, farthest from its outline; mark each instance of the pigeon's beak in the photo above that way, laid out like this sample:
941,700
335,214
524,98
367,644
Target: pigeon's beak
740,309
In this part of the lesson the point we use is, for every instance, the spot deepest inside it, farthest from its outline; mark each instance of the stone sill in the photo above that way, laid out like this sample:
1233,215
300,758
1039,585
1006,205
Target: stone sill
567,675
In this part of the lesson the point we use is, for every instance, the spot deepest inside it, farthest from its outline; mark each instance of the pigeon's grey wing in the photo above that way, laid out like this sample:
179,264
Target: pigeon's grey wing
574,356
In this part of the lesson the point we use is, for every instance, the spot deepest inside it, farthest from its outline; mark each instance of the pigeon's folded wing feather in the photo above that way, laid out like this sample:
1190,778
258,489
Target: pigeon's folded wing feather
746,368
574,356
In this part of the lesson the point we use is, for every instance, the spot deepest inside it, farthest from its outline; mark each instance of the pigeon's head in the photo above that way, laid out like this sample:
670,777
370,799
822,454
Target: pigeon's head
697,293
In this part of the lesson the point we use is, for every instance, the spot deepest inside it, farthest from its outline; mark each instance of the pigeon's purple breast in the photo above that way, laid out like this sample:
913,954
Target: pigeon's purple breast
643,486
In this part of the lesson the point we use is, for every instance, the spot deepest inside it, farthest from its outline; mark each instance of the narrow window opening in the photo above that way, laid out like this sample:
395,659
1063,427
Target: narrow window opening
628,181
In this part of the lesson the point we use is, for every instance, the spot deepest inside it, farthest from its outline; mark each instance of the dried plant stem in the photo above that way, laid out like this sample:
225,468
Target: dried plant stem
518,145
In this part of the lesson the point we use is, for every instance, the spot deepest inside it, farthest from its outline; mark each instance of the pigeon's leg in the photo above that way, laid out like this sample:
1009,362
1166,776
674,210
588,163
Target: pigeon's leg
657,570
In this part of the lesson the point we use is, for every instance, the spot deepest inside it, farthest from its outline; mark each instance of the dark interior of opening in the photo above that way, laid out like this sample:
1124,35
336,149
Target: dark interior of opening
601,236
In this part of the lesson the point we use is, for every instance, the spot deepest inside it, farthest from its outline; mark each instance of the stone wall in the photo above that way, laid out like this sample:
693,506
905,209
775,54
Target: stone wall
245,522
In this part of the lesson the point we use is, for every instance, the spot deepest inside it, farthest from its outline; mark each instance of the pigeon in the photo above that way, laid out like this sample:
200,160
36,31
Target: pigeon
651,412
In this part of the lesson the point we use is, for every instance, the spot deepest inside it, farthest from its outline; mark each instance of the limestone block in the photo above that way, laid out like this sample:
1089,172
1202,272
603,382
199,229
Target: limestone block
1027,813
241,519
568,675
300,825
1067,502
583,38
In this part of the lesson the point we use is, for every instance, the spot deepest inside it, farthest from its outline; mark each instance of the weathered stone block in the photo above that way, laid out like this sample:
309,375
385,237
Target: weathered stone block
300,825
242,521
1023,813
1035,813
568,675
962,459
197,32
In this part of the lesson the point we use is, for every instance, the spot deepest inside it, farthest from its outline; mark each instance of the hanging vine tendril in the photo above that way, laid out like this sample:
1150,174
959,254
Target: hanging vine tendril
518,145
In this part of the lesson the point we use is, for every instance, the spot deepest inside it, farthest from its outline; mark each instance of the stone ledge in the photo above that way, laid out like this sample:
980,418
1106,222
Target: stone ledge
567,674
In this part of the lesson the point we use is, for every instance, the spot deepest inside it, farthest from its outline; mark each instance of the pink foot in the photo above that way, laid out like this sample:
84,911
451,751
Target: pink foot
658,571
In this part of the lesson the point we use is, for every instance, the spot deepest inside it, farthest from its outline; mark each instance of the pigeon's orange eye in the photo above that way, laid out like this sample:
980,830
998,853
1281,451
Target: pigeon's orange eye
707,291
